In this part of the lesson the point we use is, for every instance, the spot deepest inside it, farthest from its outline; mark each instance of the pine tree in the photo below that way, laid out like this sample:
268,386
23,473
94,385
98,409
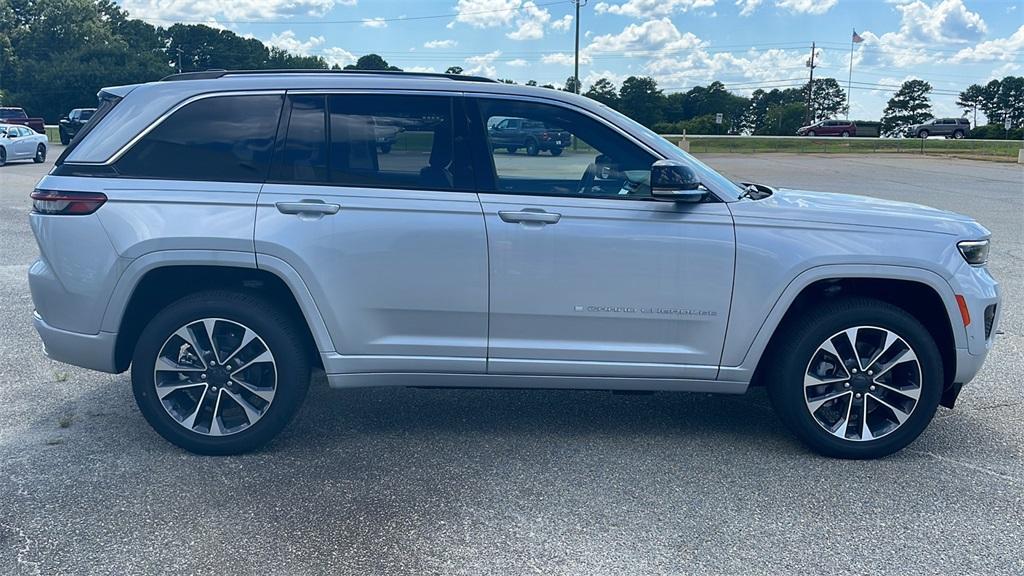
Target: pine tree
909,106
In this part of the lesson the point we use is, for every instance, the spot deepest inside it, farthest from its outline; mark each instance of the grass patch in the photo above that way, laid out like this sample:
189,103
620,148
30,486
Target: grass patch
982,149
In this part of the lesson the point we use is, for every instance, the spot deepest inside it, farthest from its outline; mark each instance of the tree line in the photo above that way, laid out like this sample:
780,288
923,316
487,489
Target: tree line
56,54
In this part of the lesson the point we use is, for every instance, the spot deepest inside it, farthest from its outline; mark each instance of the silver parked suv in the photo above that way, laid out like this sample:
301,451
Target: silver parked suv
223,233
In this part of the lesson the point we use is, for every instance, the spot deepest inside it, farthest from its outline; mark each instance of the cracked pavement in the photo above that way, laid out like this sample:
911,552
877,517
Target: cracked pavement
409,481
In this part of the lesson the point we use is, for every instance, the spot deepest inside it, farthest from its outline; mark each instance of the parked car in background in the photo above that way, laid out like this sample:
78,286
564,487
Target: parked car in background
842,128
21,143
948,127
535,137
13,115
73,122
221,266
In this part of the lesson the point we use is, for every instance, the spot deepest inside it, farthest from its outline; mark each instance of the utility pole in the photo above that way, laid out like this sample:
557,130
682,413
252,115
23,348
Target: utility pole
810,86
179,59
576,68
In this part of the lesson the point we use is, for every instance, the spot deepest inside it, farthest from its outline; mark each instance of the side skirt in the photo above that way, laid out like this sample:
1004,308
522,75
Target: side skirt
440,380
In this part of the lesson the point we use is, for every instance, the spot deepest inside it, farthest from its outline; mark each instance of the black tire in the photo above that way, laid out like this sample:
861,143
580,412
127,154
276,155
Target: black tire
385,148
845,134
40,156
532,149
512,149
556,151
958,134
3,156
922,134
811,133
803,336
64,138
282,335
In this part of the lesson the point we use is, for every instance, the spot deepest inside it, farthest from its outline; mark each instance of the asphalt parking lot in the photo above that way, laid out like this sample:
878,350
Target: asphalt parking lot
411,481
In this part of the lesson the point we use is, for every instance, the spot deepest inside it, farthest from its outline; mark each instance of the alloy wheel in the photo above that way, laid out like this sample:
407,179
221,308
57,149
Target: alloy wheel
862,383
215,377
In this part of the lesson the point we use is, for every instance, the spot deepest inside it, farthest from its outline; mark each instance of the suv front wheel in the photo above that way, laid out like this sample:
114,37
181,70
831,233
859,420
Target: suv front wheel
858,378
220,372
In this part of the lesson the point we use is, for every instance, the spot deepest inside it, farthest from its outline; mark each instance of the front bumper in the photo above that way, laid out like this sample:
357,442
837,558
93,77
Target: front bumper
92,351
980,291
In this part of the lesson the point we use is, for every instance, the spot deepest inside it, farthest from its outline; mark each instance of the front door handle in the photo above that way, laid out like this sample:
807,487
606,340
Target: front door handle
307,207
530,216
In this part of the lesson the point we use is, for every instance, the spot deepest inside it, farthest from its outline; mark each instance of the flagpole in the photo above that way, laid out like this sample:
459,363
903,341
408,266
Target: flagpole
849,77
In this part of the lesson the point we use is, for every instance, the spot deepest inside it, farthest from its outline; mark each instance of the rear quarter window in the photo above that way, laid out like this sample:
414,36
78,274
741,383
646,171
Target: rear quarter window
220,138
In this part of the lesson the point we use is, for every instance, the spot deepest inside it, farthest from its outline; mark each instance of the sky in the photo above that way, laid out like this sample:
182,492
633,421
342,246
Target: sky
746,44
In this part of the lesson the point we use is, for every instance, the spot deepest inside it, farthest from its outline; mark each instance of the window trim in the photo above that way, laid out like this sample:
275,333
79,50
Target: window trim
163,117
479,142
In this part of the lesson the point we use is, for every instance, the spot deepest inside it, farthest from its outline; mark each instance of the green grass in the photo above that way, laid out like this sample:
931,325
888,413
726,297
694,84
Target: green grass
966,148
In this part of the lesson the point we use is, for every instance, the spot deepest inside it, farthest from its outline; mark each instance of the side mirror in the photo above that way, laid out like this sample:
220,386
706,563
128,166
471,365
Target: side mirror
675,181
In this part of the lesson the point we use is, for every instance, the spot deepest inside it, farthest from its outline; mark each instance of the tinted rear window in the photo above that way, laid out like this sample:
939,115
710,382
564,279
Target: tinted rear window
222,138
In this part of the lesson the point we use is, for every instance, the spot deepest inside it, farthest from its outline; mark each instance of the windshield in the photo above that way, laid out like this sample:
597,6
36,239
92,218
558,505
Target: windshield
708,177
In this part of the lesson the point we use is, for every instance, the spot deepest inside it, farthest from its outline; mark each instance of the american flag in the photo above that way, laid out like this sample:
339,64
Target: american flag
857,39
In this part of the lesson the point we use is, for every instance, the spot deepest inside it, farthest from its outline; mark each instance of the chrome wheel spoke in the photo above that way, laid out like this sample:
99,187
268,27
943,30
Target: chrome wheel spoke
913,393
264,357
247,337
813,405
250,411
844,424
812,380
163,391
197,389
890,339
865,431
851,338
905,356
900,415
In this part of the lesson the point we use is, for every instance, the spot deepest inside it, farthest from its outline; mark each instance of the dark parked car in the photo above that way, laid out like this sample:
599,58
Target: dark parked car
73,122
948,127
12,115
829,128
515,133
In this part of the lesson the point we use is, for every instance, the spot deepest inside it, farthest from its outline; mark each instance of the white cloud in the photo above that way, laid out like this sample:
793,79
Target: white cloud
563,59
563,24
747,7
946,21
441,44
1004,49
636,39
420,69
339,56
530,22
648,8
483,65
486,13
287,41
922,26
815,7
374,23
518,63
164,13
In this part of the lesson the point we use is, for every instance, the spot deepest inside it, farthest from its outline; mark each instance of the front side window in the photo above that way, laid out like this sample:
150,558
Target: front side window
221,138
551,150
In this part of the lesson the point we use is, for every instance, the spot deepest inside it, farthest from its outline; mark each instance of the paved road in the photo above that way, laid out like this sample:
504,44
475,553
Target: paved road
515,482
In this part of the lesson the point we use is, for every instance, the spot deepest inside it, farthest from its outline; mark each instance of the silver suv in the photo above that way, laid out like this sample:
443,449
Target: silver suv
221,234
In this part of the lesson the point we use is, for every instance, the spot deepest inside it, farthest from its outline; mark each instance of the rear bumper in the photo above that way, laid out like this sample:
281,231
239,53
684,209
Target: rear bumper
92,351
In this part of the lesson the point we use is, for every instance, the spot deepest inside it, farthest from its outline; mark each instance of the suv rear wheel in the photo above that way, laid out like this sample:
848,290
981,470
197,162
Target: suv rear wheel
958,134
922,134
532,148
220,372
860,378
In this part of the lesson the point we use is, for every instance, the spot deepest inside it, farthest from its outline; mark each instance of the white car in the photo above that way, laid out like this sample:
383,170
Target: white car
21,143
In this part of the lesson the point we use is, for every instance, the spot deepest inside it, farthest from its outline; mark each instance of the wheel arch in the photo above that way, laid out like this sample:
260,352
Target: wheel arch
147,287
922,299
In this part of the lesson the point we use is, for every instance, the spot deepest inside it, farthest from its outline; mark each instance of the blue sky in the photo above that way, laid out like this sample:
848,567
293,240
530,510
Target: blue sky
681,43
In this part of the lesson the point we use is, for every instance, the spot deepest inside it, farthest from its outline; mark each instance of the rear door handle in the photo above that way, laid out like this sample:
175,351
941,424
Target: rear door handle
307,207
530,216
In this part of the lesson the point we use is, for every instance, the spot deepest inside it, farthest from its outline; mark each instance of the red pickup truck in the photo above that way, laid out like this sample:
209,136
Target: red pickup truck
10,115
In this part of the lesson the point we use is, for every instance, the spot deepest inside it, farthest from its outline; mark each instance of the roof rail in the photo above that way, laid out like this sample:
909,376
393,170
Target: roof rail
211,74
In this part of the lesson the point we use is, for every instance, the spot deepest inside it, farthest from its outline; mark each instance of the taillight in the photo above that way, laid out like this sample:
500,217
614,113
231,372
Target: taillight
53,202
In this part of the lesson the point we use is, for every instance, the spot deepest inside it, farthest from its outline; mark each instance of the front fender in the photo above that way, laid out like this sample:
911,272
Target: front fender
743,348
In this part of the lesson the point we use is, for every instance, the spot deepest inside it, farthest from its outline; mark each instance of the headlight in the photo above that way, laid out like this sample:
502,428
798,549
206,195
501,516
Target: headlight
974,251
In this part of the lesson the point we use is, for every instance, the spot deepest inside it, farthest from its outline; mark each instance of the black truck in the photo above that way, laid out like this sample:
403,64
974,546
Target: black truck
73,122
531,135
